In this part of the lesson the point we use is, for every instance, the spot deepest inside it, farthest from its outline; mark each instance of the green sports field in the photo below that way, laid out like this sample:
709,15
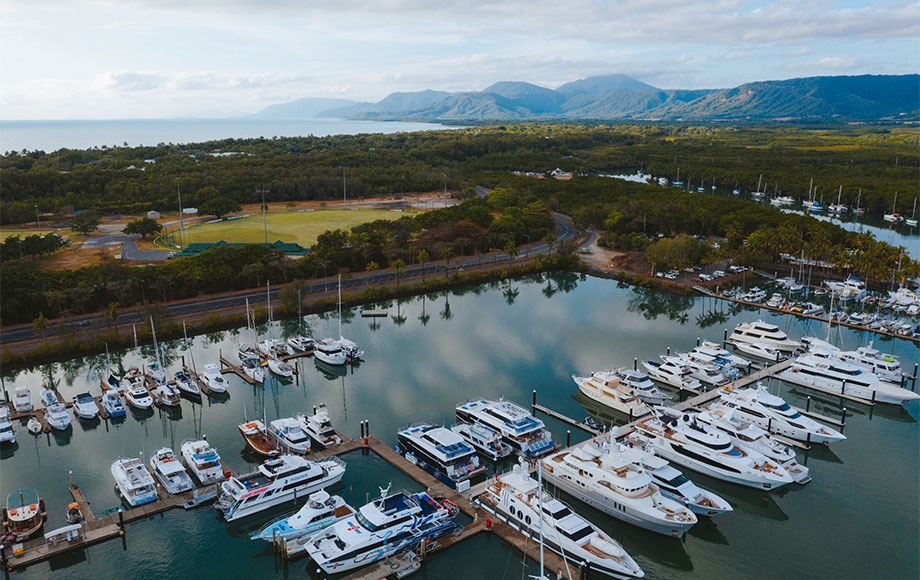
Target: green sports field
300,227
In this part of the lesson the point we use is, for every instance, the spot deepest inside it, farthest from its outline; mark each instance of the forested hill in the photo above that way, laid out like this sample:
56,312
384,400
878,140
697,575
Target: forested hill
865,97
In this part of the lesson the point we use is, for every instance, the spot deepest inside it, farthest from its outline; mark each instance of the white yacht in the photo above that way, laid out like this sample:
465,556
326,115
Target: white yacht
672,371
169,470
518,499
213,379
601,477
203,461
187,386
7,433
886,366
703,371
115,381
300,343
55,411
168,395
289,436
245,351
749,436
676,485
280,368
22,399
721,357
85,407
811,370
642,386
272,348
253,369
319,427
112,404
320,511
138,397
763,332
155,371
486,441
329,351
134,481
386,526
774,414
761,350
776,300
352,352
699,447
606,388
754,295
440,452
276,481
525,434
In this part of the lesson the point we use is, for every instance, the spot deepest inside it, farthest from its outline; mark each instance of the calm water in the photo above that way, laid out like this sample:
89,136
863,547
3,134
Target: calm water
857,519
53,135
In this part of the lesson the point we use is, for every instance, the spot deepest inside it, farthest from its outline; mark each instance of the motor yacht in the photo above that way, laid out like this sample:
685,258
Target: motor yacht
486,441
138,397
252,368
55,412
761,350
886,366
300,343
258,439
153,370
320,511
525,434
519,499
211,377
329,351
85,407
807,308
774,414
23,514
7,433
170,472
203,461
168,395
606,388
763,332
274,482
352,352
754,295
672,371
602,477
827,374
22,399
642,386
442,453
187,386
134,481
319,427
288,436
721,357
688,442
702,370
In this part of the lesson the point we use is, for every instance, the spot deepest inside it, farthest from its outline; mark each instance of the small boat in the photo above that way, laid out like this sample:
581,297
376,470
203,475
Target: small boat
319,427
258,440
280,368
289,436
170,472
252,368
7,433
329,351
912,220
55,411
300,343
203,461
155,372
272,348
132,379
134,481
34,426
112,404
213,379
186,385
246,351
138,397
24,513
115,381
352,352
73,513
320,511
894,216
642,386
22,399
168,395
592,423
776,300
486,441
85,407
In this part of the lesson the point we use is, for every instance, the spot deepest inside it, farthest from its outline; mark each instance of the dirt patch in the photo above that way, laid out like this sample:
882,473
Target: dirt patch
70,258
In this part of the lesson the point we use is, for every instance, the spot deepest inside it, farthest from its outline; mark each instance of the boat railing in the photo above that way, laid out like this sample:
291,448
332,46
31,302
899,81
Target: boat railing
334,459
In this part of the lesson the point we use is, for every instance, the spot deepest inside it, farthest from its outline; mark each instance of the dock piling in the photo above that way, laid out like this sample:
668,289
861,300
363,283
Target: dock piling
724,337
534,404
843,417
808,403
697,341
568,437
635,363
913,381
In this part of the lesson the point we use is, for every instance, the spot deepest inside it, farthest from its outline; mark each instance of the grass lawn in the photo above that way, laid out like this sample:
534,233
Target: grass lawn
300,227
5,233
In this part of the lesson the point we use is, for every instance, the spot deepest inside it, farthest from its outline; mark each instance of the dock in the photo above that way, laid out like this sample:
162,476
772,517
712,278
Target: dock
228,367
566,420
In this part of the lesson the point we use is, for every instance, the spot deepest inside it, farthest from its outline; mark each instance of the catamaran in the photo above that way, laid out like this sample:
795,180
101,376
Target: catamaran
440,452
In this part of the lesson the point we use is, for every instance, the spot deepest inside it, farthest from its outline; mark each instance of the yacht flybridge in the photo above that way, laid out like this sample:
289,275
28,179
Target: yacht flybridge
441,452
886,366
764,333
672,371
771,412
607,388
642,386
525,434
830,374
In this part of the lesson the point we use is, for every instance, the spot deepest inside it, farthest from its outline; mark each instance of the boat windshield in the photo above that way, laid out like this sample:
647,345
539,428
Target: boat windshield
677,480
365,522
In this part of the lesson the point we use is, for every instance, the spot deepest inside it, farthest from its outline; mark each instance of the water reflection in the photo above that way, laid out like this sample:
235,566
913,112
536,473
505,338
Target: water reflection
652,304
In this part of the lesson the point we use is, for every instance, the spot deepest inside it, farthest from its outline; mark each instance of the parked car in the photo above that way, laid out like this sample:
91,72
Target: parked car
718,274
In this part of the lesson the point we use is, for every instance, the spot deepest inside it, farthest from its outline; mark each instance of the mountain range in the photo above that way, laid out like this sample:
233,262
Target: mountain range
864,97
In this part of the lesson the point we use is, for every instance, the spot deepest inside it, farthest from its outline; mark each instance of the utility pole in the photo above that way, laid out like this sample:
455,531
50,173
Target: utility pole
445,185
344,193
264,220
38,219
179,193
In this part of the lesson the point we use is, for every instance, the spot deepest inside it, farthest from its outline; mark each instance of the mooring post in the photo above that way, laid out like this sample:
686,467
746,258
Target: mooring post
669,351
635,363
843,387
697,341
808,403
121,520
568,437
533,406
724,337
843,417
770,425
913,382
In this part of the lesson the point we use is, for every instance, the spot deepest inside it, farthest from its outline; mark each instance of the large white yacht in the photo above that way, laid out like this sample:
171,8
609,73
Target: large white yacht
703,371
688,442
276,481
487,441
606,388
642,386
518,499
672,371
773,413
601,477
134,481
386,526
811,370
213,379
329,351
169,470
441,452
763,332
761,350
525,434
203,461
320,511
712,352
885,366
289,436
319,427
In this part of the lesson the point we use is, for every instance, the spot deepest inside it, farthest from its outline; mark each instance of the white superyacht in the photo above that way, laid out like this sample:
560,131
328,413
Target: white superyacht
607,388
773,413
827,374
764,333
672,371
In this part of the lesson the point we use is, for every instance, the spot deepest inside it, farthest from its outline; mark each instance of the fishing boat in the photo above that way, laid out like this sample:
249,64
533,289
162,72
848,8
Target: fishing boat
521,501
73,514
486,441
168,395
170,472
774,414
22,399
257,439
24,513
827,374
186,385
85,407
320,512
203,461
642,386
274,482
7,433
288,436
134,481
526,434
112,404
213,379
384,527
319,427
440,452
138,397
763,332
599,475
606,388
672,371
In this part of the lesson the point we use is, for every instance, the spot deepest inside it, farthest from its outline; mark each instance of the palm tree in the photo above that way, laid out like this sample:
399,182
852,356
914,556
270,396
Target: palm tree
424,317
550,240
422,258
446,254
511,250
399,267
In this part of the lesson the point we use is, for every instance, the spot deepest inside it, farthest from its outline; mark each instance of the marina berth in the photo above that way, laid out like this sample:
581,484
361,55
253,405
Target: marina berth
7,433
134,482
384,527
258,439
329,351
606,388
602,477
685,441
288,436
213,379
252,368
440,452
55,412
833,375
23,514
112,404
642,386
773,413
763,332
521,501
84,406
275,482
319,427
525,434
170,472
138,397
486,441
203,461
672,371
320,511
22,399
186,385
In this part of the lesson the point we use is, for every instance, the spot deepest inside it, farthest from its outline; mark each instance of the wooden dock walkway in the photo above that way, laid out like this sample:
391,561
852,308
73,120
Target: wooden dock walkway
228,367
567,420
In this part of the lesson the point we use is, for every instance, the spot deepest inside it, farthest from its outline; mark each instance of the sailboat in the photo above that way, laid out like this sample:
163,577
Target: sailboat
352,352
912,220
759,194
859,210
893,216
838,207
273,348
250,361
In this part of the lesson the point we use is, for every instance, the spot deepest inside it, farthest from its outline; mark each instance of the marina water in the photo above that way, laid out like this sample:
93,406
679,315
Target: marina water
857,519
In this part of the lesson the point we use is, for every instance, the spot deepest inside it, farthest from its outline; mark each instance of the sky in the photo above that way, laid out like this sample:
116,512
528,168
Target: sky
111,59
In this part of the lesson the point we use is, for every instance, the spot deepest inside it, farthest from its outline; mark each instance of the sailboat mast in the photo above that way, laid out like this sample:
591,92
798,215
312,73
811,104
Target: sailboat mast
340,306
540,503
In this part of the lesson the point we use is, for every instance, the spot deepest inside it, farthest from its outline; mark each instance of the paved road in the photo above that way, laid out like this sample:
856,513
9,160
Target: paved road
130,251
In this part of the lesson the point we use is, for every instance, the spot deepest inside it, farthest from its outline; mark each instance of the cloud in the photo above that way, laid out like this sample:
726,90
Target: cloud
737,55
130,81
828,63
802,51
